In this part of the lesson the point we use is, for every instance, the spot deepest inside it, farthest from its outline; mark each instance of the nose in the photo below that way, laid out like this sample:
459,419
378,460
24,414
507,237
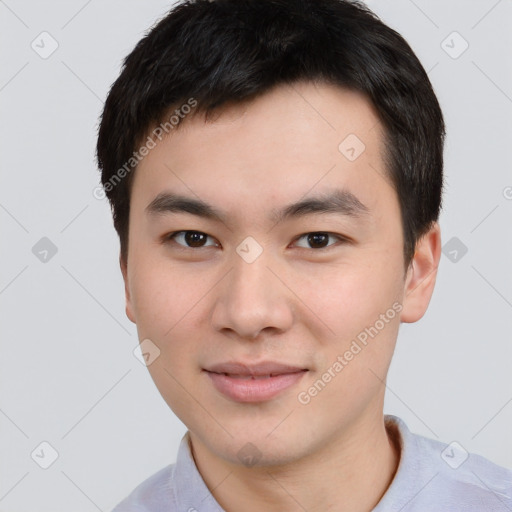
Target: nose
253,299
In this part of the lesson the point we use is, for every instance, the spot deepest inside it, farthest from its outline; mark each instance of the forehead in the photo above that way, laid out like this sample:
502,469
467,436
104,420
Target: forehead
293,140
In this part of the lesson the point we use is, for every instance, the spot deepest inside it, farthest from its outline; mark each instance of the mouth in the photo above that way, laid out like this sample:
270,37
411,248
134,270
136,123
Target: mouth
253,383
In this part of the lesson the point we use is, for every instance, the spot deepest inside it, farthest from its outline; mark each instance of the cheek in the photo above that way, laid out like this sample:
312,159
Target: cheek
351,296
360,302
166,303
175,386
161,296
352,374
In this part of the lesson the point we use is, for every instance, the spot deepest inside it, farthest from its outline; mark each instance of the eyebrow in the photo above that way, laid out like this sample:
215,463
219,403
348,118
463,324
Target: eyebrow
338,201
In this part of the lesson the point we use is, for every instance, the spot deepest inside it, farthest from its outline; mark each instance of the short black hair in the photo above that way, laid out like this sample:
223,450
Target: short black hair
210,53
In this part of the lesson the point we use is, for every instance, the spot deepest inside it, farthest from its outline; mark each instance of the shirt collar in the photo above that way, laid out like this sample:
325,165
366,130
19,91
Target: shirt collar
193,495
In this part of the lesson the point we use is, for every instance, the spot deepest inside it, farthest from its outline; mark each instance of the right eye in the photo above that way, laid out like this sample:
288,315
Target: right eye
190,239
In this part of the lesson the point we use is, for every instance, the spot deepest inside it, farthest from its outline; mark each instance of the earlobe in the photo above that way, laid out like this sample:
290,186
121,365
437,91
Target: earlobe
421,276
124,270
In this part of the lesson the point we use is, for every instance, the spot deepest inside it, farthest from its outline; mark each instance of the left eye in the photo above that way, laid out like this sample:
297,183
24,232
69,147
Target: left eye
318,239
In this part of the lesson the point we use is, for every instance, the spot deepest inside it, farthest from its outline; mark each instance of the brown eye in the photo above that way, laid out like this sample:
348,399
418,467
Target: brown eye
318,240
195,238
190,239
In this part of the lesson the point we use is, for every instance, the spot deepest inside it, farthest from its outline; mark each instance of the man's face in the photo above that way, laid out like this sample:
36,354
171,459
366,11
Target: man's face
211,298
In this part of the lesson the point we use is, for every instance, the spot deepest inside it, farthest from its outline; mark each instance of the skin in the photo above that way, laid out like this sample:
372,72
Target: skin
296,303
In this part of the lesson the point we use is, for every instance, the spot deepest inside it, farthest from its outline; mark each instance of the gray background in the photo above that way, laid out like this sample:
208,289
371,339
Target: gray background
68,373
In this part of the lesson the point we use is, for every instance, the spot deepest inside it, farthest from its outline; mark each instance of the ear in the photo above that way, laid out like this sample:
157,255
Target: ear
124,270
421,275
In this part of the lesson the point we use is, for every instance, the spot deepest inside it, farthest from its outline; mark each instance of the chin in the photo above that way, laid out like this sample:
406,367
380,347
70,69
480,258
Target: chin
264,453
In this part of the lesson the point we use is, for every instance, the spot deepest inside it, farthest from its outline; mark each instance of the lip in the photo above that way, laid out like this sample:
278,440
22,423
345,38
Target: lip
253,382
254,370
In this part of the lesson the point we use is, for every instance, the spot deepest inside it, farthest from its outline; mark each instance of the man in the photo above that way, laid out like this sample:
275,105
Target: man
275,174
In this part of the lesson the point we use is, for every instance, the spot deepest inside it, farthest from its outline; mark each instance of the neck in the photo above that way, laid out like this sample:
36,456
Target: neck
350,473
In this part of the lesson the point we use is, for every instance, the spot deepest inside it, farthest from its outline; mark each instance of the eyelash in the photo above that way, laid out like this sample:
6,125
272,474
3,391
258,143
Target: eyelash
171,237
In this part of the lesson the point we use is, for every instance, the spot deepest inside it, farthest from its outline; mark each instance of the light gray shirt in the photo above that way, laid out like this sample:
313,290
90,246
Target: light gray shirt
431,477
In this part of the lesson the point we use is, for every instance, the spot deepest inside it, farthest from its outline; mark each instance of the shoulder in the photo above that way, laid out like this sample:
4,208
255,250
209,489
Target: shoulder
155,494
471,479
455,464
435,474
